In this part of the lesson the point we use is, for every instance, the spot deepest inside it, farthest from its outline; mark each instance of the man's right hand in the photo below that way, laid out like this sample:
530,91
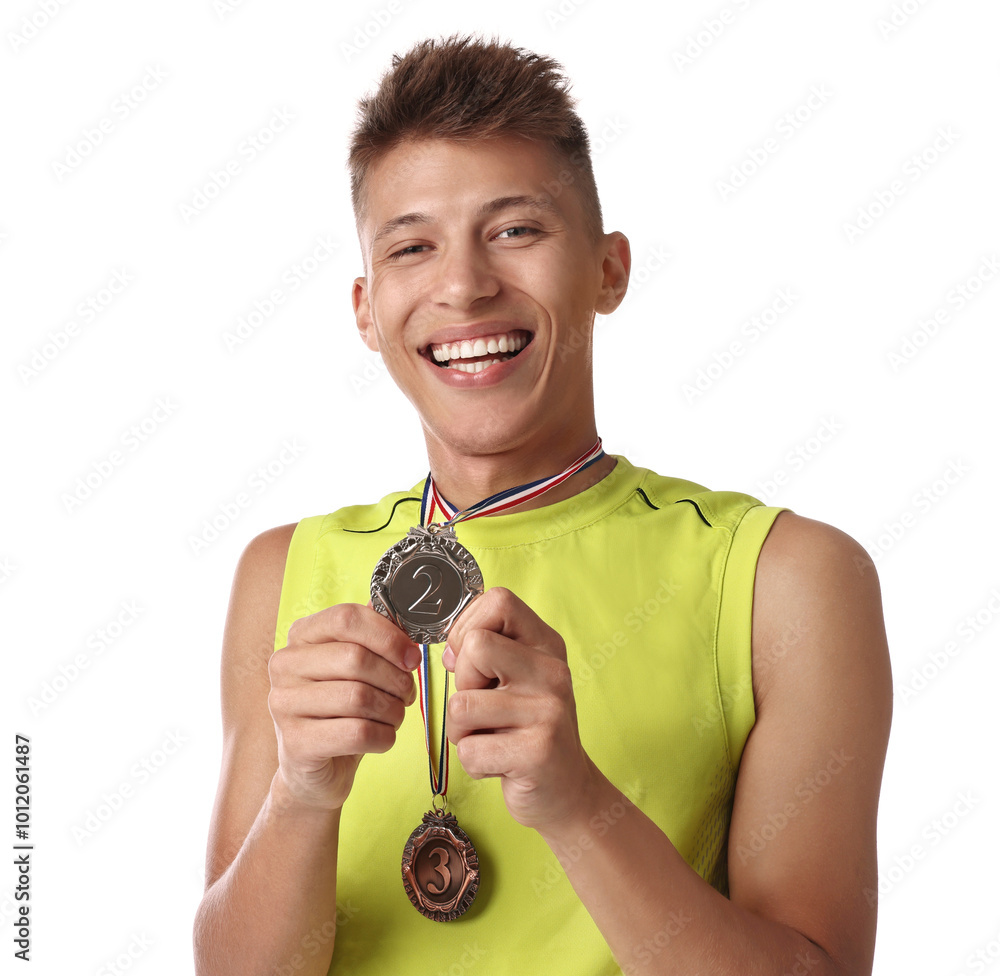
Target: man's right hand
338,690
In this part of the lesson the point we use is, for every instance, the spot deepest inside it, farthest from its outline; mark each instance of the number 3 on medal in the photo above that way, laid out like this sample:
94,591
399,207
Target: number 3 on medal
421,604
442,870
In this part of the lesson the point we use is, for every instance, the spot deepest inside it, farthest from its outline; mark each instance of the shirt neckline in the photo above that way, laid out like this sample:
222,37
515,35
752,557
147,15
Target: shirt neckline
510,529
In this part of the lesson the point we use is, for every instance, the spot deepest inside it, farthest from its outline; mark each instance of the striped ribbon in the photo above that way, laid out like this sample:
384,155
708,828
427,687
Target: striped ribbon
431,502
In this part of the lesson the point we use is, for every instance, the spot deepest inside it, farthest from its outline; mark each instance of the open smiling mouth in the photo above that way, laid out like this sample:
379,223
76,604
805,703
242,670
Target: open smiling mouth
475,355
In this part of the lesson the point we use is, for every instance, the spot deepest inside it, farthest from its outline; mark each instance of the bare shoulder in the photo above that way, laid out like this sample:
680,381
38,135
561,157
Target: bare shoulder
815,581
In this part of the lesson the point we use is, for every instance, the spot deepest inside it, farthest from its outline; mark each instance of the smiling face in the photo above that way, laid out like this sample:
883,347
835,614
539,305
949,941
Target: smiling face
481,290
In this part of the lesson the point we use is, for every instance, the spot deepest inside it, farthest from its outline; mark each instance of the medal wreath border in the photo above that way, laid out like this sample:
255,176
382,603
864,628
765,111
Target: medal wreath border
431,827
420,541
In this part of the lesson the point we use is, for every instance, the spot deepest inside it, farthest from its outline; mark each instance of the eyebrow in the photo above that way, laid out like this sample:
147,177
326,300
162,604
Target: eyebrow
541,204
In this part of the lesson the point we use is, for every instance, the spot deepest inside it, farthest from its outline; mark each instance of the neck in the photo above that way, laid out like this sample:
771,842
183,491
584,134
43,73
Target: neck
465,480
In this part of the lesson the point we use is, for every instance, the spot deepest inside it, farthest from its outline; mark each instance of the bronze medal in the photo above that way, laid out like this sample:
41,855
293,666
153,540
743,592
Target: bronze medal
440,867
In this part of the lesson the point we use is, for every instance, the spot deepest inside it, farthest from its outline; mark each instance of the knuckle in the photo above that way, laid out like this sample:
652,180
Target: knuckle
340,617
355,735
394,712
294,630
503,597
359,698
277,703
458,706
355,657
466,752
562,680
276,664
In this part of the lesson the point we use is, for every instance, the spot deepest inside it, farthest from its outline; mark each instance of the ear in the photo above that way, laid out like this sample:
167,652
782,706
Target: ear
363,313
615,267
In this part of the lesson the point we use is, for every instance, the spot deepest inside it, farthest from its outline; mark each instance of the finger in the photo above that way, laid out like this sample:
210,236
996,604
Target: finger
502,612
339,699
340,661
488,660
491,755
324,738
357,624
494,710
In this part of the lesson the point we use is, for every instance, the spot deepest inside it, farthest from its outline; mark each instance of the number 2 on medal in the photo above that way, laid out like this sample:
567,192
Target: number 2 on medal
422,604
442,870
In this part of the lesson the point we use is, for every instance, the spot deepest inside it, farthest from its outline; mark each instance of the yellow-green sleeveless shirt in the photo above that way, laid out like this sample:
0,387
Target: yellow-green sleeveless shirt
649,580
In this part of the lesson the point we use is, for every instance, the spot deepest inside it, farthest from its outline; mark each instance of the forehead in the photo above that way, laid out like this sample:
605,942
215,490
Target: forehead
442,179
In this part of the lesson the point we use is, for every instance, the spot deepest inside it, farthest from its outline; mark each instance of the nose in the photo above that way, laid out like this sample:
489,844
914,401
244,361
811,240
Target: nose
464,275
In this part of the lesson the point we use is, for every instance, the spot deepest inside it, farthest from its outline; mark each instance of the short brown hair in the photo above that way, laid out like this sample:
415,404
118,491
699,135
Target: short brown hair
466,88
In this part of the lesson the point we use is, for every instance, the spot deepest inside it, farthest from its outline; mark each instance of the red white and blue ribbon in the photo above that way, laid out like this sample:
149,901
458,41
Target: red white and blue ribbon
502,500
431,502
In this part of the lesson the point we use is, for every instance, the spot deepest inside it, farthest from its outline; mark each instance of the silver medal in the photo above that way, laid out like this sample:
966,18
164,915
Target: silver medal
424,582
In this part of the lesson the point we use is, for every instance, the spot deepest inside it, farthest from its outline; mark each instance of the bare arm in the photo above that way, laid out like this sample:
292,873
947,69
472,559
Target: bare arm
271,865
295,725
802,865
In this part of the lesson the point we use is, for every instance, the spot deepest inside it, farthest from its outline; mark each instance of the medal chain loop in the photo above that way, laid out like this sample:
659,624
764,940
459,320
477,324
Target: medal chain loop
498,502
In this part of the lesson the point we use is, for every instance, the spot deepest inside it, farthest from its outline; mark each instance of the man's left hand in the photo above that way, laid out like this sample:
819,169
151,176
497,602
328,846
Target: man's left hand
512,713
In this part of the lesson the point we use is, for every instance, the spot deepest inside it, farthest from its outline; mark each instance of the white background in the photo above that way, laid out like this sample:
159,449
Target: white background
666,135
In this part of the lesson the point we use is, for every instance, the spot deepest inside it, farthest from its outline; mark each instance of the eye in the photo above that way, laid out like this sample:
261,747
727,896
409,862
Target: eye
522,230
396,255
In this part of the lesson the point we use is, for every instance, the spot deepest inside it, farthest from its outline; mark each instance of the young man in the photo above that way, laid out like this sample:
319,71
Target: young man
640,641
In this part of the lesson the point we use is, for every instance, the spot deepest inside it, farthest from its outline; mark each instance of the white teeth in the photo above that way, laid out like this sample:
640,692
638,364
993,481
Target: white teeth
450,352
473,367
